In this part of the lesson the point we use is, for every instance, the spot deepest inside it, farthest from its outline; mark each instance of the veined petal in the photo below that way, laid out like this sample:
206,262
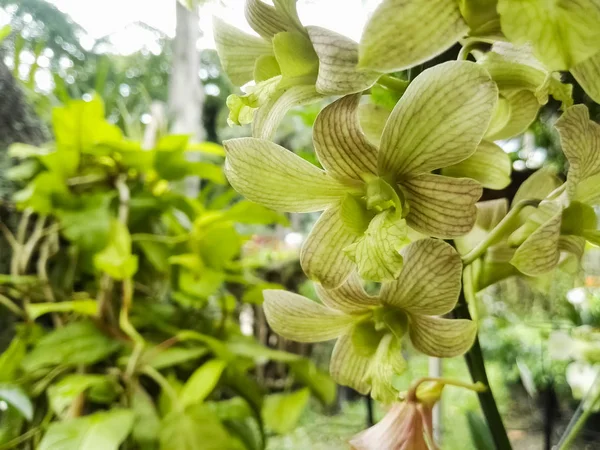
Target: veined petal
587,74
403,33
523,109
537,187
322,256
238,51
489,214
377,253
338,57
439,121
288,9
563,33
400,429
572,244
580,139
372,121
269,115
442,338
539,253
300,319
387,362
264,19
349,366
430,280
588,190
441,206
270,175
339,142
350,297
490,165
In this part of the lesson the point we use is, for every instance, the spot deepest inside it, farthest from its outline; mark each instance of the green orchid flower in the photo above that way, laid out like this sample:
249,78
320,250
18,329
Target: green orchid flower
370,329
290,65
370,195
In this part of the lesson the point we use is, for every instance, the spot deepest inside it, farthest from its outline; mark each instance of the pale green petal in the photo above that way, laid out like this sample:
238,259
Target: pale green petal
490,165
442,338
269,116
276,178
481,16
349,366
523,108
537,187
338,57
587,74
243,107
489,214
264,19
387,362
403,33
372,121
430,280
288,9
572,244
300,319
377,253
439,121
588,190
539,253
350,297
266,67
296,56
580,140
441,206
322,256
238,51
563,33
339,143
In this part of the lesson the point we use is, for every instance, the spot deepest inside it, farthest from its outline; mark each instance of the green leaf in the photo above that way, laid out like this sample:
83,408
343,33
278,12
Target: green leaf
441,206
86,221
146,425
430,280
339,143
116,259
281,412
322,256
295,55
238,51
195,428
490,165
83,307
439,121
202,382
270,175
539,253
219,244
175,356
101,430
377,253
587,74
62,394
442,338
401,34
5,32
320,383
270,114
338,57
254,295
208,148
10,359
74,344
247,212
40,193
300,319
350,297
562,33
17,398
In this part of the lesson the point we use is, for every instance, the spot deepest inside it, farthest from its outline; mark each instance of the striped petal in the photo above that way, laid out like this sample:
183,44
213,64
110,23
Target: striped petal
442,338
349,366
587,74
300,319
441,206
439,121
430,280
339,142
270,175
265,19
350,297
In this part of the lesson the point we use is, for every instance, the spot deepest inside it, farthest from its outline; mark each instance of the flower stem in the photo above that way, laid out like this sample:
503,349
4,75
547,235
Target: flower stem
580,417
476,365
498,232
395,84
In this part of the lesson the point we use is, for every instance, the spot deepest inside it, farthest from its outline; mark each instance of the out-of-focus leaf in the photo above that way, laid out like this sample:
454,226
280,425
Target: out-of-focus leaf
16,397
209,148
76,343
175,355
63,393
116,259
248,212
281,412
202,382
320,383
98,431
10,359
83,307
254,295
146,424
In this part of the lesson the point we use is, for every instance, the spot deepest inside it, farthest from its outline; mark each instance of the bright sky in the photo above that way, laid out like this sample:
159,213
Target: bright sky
104,17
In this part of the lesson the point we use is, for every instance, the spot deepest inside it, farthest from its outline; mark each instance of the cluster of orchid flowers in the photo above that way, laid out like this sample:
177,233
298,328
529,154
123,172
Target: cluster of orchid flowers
395,183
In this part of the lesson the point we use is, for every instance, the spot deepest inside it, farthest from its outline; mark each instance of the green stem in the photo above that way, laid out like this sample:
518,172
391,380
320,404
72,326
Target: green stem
580,418
393,83
498,232
20,439
476,365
